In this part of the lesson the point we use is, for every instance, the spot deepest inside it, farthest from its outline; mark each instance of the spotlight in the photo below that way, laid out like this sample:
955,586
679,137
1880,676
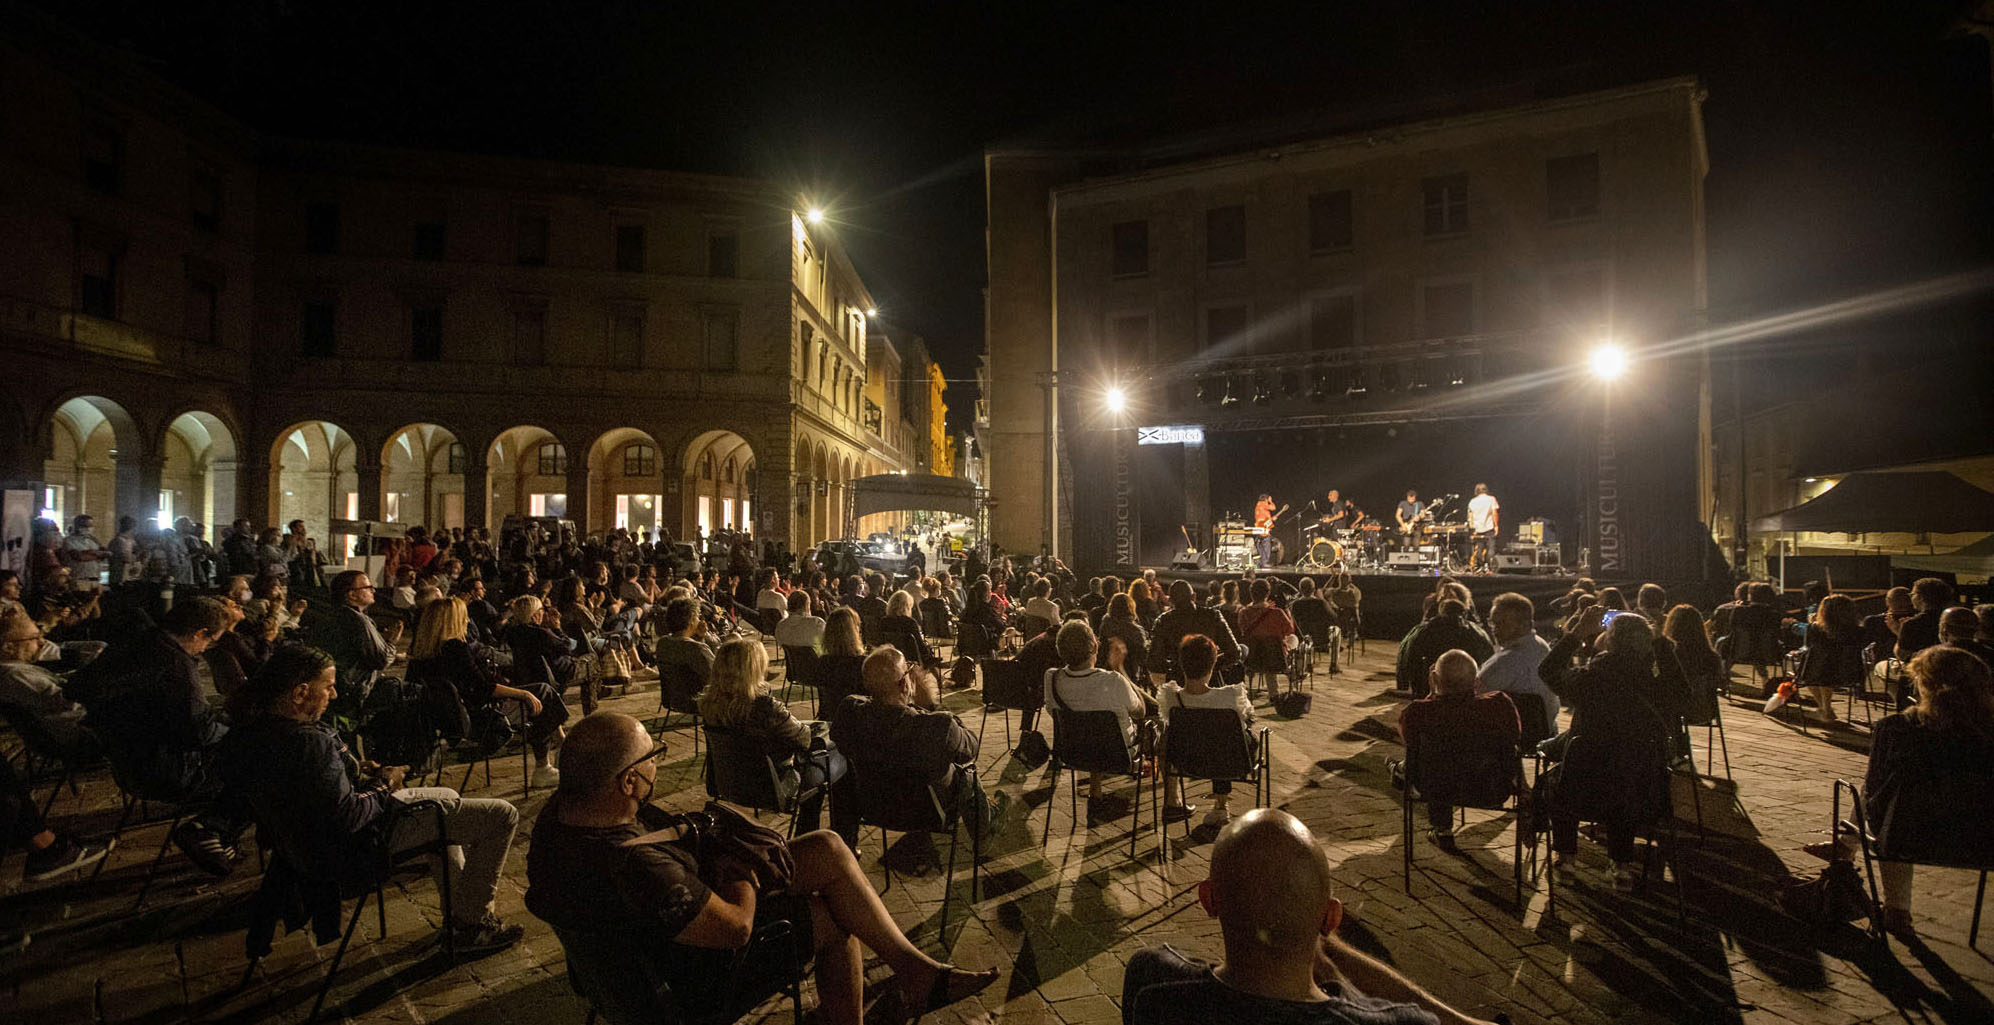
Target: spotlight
1260,391
1608,362
1116,400
1228,399
870,312
814,215
1359,384
1207,391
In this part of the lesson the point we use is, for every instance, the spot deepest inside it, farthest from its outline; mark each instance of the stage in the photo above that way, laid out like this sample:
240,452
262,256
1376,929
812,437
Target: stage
1391,601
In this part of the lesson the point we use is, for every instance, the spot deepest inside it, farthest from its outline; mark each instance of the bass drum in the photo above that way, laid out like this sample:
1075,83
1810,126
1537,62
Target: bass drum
1324,553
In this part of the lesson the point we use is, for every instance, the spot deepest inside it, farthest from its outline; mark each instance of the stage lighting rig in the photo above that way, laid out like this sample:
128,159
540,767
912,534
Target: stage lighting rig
1228,399
1261,392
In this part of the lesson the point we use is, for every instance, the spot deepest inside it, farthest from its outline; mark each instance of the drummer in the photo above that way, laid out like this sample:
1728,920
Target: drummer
1339,514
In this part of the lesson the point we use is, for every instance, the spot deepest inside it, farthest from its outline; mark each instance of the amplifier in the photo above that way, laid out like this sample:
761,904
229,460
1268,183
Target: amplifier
1511,563
1397,560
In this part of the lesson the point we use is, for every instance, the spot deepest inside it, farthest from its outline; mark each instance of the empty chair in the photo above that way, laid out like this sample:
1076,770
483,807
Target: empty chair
678,693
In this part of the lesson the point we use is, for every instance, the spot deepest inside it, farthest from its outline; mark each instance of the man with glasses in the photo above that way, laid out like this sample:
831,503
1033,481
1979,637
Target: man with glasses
349,635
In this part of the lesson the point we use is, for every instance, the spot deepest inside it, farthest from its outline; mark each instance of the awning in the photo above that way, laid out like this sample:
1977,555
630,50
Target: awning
897,492
1882,502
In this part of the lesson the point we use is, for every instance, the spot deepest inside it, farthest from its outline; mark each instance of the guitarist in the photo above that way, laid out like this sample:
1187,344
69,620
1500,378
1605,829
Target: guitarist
1263,517
1338,514
1411,513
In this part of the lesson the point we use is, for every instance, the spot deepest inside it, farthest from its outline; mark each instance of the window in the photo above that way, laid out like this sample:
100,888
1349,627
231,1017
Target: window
317,333
425,330
626,338
727,471
1447,309
1131,249
1446,200
460,458
1333,321
640,460
630,248
1225,235
1329,221
321,228
553,459
428,241
530,238
1224,324
103,158
720,344
723,252
706,466
97,281
529,337
1571,186
204,200
1128,339
203,305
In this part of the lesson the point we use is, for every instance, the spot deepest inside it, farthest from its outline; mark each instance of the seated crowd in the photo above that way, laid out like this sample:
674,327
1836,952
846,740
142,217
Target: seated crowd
249,707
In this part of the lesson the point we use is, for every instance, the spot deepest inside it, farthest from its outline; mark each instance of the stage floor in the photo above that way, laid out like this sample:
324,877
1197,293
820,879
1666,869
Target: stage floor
1391,601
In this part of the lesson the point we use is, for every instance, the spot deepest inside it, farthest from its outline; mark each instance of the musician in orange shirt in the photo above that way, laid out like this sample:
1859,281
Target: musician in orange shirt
1263,518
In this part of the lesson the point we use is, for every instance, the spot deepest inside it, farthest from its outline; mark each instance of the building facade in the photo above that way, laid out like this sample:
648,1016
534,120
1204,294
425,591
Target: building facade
214,324
1419,272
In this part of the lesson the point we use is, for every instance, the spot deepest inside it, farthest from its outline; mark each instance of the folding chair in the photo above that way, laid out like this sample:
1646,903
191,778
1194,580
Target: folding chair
42,756
269,904
139,798
623,984
1092,742
1970,848
740,770
1008,686
1662,819
892,800
1213,744
678,693
799,665
1266,660
1489,778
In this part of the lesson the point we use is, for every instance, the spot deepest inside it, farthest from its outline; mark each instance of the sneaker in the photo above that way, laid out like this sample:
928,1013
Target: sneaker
1218,816
204,847
63,855
546,776
1178,812
485,937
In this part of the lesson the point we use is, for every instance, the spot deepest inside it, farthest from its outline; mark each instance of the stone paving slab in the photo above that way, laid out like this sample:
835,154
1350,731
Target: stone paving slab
1063,916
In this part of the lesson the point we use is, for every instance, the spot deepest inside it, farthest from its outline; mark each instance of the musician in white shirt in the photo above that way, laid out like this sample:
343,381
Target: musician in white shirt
1484,514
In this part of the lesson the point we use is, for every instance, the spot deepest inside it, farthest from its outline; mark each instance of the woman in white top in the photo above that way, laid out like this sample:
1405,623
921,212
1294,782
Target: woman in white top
1197,656
1081,687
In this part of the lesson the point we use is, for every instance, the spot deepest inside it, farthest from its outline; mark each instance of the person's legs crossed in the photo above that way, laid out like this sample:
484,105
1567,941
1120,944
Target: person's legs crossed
481,832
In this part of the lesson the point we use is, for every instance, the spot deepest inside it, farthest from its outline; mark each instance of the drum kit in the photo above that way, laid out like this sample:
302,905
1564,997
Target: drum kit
1354,548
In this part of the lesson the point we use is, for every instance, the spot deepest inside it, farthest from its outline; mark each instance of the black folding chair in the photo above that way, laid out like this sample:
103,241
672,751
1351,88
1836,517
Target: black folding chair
367,879
892,800
42,756
1971,849
678,693
799,666
1267,659
1092,742
740,770
1659,817
139,798
1008,686
1213,744
936,621
624,985
1462,775
516,721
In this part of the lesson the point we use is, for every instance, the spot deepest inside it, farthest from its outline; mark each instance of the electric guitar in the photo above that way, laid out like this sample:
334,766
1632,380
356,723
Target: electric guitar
1425,515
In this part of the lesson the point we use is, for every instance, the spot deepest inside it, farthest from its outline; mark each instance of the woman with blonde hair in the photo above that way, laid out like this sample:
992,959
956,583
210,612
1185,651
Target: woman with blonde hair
841,669
442,655
530,640
737,698
903,631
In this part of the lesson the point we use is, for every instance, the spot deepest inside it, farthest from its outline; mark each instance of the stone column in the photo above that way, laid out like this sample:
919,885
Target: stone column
578,492
477,490
367,481
138,485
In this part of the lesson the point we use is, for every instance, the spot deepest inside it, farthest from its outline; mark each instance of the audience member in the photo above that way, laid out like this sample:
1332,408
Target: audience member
1447,630
531,641
1702,668
1197,659
287,770
1080,686
1879,631
1832,640
602,862
737,698
26,689
1271,891
1119,625
799,628
348,634
1312,615
1960,628
1454,716
897,726
1947,736
1184,618
1519,652
903,631
442,653
1930,596
841,669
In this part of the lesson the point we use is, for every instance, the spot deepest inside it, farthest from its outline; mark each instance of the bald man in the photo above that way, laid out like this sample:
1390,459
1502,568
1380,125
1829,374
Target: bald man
1453,718
895,730
1959,627
608,866
1271,891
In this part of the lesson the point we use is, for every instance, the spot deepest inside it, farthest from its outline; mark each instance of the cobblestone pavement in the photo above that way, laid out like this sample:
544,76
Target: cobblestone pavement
1061,918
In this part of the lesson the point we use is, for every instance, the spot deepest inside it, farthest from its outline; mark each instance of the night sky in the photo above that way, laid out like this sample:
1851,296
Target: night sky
1850,150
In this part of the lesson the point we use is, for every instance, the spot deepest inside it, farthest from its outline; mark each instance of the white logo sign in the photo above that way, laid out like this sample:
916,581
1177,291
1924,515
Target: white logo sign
1187,434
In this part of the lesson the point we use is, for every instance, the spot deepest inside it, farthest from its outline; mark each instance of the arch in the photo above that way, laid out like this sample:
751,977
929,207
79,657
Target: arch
199,477
420,482
514,464
628,463
92,463
717,496
313,478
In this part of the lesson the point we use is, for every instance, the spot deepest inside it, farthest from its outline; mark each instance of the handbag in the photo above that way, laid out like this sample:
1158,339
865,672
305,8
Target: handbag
1033,751
732,847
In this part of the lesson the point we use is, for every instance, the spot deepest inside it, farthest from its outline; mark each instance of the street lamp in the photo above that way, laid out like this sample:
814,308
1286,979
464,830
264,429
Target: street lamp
814,215
1608,361
1116,400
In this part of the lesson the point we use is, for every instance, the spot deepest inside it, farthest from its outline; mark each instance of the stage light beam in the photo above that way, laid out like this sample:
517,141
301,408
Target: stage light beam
814,215
1116,400
1608,362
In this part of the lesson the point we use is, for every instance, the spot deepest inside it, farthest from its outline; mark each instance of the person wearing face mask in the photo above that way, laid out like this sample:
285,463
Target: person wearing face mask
28,689
287,770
